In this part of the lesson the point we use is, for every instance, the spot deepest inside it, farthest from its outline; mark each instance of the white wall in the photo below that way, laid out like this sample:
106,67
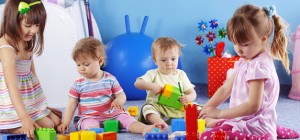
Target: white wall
55,67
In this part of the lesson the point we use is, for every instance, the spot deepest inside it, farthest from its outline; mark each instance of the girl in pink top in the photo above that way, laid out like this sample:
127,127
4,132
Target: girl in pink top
258,37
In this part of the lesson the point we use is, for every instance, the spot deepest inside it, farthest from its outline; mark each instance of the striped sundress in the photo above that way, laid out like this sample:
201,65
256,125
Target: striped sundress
31,92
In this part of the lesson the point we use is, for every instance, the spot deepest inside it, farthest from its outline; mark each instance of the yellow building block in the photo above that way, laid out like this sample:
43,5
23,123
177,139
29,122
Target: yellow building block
88,135
201,126
167,91
133,110
83,135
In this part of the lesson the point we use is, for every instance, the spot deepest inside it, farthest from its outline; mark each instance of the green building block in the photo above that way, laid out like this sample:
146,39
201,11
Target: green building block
111,125
45,134
173,100
162,99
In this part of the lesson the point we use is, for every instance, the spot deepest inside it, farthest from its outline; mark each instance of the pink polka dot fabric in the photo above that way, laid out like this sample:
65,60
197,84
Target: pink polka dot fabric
217,68
286,133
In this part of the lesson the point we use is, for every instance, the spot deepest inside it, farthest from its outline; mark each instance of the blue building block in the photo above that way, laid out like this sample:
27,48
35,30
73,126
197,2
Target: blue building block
155,130
14,137
156,136
97,130
179,138
178,125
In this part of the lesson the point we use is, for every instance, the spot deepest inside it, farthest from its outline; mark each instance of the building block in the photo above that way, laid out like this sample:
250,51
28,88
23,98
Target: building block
167,91
107,136
178,125
201,126
170,97
156,136
155,130
111,125
14,137
97,130
162,99
75,135
191,122
88,135
133,110
180,138
83,135
45,134
176,133
63,137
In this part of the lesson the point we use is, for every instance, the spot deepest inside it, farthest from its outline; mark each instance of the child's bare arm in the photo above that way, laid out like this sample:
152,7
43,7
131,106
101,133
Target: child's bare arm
144,85
68,114
256,91
119,101
222,94
190,96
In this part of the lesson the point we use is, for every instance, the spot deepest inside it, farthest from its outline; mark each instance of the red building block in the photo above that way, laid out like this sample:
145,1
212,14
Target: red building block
191,122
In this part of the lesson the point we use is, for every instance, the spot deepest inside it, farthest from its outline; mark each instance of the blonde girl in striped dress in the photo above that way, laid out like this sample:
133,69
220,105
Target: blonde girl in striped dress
23,105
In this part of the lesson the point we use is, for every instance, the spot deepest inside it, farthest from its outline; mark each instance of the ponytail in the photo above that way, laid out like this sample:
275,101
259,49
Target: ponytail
279,44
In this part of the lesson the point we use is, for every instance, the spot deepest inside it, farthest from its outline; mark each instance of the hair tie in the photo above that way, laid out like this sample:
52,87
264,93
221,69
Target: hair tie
25,7
270,10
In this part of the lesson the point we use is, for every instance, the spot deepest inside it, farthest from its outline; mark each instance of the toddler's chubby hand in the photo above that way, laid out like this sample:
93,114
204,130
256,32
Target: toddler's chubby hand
61,128
117,104
156,89
183,99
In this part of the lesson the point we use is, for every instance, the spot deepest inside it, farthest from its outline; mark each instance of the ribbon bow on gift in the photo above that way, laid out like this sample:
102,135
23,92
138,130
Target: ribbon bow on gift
25,7
270,10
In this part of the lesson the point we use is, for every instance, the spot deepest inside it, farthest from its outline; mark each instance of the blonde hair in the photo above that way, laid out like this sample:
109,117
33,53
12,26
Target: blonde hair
89,48
163,44
252,23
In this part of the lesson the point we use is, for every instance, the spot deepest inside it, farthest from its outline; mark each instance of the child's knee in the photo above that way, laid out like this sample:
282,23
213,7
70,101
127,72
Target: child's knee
47,124
89,123
148,111
56,122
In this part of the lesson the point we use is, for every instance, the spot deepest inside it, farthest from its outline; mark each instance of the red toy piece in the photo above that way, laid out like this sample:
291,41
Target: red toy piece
191,121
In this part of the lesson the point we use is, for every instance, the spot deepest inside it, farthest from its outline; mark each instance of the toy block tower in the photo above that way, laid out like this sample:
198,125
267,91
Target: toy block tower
170,97
191,122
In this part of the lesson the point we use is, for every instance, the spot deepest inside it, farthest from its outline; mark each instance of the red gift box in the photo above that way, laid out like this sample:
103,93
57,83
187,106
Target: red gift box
217,69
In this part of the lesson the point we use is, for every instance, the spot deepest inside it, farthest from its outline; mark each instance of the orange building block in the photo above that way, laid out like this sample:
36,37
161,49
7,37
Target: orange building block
107,136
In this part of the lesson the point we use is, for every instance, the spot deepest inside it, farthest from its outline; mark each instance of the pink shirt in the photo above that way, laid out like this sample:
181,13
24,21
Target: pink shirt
264,121
95,98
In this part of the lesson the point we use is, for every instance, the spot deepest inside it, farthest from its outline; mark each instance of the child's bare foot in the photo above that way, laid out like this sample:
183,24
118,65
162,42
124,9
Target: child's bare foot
149,128
209,122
